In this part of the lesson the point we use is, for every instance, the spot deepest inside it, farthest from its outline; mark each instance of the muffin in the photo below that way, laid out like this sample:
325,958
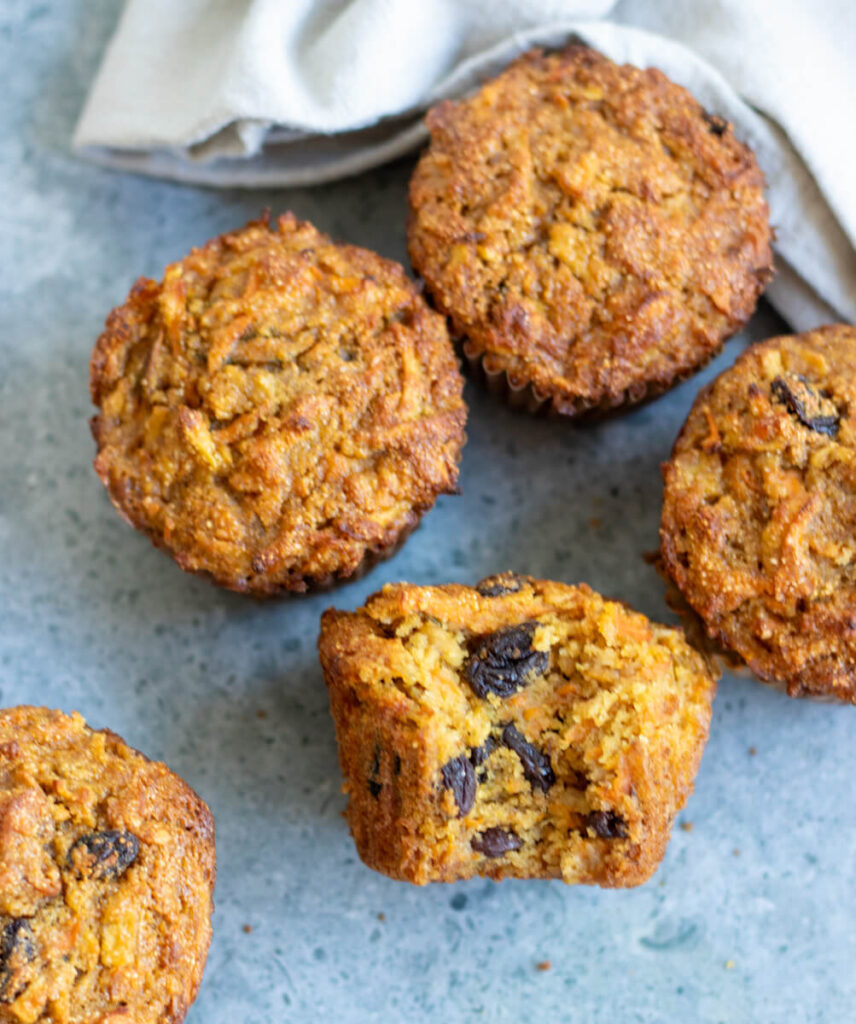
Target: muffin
759,511
593,234
279,412
521,728
106,872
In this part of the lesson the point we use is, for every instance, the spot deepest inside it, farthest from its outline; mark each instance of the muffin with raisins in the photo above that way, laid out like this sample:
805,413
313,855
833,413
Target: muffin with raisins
758,528
521,728
592,232
107,868
280,411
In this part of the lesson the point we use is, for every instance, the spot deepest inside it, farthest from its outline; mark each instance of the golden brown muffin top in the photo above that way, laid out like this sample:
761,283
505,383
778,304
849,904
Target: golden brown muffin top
276,408
612,707
759,513
589,227
107,866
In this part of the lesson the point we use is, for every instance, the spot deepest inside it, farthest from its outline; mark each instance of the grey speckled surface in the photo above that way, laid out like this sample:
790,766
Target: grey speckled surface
751,916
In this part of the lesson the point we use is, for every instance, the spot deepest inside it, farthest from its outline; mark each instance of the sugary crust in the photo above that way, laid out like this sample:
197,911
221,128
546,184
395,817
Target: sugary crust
758,527
97,943
279,412
589,229
636,718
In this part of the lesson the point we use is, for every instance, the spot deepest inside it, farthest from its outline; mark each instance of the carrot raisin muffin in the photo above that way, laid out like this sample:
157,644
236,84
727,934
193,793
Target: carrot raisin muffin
106,873
521,728
592,232
759,512
279,411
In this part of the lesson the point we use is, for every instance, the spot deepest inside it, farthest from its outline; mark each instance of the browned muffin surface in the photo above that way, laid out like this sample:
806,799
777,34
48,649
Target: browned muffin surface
588,227
522,728
759,512
279,410
107,868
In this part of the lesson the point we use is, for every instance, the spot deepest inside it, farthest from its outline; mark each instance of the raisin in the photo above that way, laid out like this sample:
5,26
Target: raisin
17,949
494,842
480,754
101,855
716,124
500,584
536,764
814,409
500,662
607,825
459,776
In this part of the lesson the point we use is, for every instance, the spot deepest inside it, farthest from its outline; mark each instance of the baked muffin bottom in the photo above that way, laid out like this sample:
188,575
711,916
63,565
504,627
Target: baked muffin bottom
530,730
759,511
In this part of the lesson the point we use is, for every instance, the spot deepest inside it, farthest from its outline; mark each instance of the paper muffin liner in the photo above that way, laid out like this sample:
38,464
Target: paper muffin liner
522,395
311,584
371,559
519,395
722,659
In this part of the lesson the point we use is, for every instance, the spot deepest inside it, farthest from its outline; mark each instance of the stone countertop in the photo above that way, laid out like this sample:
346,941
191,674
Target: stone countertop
750,916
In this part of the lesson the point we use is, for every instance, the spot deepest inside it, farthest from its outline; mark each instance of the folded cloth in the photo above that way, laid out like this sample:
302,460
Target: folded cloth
262,93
